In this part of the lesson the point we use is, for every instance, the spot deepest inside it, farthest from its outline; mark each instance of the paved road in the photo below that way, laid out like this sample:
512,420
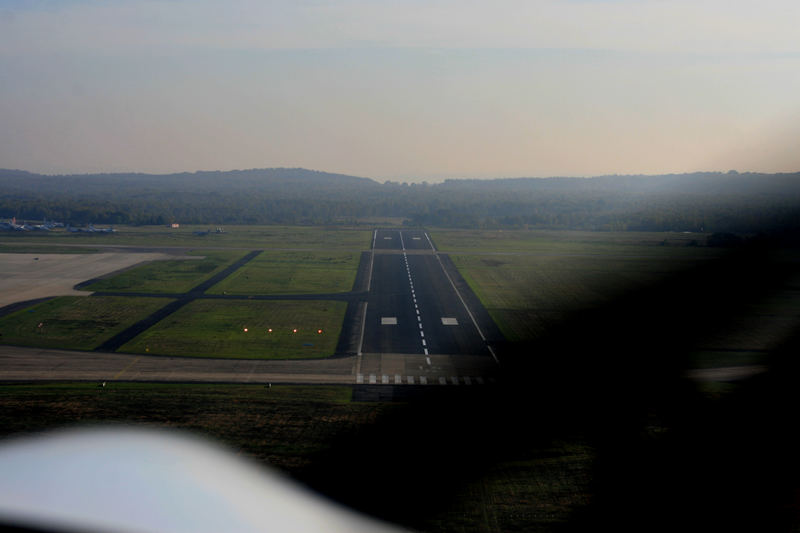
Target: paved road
414,306
39,364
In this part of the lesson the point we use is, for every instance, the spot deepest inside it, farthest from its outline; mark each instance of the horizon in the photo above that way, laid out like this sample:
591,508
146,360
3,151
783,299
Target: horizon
400,91
419,181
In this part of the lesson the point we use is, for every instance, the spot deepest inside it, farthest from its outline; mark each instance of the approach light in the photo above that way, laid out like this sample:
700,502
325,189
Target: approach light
245,330
269,330
294,330
319,331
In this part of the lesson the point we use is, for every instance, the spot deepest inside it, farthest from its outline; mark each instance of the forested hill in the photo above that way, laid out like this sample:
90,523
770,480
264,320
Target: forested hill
711,201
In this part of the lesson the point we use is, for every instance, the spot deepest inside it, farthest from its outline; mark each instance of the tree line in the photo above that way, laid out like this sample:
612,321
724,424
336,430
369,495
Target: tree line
711,202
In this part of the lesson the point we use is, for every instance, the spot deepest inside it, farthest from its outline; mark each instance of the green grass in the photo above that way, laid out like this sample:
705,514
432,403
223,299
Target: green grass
215,328
251,237
44,249
75,322
281,426
582,242
170,276
535,492
293,273
525,294
285,427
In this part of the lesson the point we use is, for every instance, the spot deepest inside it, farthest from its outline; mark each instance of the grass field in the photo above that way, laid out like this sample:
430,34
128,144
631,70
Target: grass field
583,242
171,276
293,273
75,322
216,328
530,281
23,248
286,427
281,426
526,293
252,237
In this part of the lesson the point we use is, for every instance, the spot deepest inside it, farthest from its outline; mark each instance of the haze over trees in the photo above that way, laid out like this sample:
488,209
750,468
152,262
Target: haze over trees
708,201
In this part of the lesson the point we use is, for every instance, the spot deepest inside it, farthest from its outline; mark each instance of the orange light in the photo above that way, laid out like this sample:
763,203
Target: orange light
319,331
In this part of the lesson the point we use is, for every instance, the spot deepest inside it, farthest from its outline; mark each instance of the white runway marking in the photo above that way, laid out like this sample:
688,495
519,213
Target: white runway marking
388,321
449,321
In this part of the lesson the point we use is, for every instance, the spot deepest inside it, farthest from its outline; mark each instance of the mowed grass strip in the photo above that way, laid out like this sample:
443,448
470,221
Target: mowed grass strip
293,273
171,276
75,322
240,329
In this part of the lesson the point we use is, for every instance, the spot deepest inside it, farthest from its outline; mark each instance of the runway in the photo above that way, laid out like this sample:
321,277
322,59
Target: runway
414,306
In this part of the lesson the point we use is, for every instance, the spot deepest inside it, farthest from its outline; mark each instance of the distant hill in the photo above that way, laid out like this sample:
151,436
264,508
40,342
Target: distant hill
204,181
704,201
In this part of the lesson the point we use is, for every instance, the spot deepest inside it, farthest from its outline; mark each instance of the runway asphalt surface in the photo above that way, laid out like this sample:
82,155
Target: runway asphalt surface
413,305
411,320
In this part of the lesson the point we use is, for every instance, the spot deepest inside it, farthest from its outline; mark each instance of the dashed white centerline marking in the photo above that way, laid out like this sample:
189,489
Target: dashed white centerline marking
413,293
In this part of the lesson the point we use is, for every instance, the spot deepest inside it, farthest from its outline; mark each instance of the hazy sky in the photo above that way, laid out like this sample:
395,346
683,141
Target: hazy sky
404,90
